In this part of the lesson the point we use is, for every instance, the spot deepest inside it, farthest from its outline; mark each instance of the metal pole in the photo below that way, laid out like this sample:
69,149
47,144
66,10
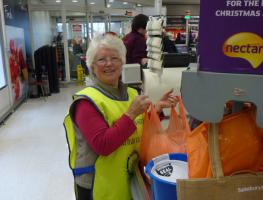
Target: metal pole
106,23
187,32
65,40
87,25
32,42
158,7
109,17
91,26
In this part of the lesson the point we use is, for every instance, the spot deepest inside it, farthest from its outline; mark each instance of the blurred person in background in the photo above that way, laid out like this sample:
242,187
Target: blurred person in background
135,41
168,43
77,48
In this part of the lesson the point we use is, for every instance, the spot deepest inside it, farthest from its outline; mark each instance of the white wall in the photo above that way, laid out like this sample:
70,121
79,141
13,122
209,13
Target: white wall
42,28
152,11
5,99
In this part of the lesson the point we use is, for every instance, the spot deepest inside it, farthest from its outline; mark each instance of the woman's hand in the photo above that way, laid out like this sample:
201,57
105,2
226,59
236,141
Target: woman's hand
144,61
167,100
140,104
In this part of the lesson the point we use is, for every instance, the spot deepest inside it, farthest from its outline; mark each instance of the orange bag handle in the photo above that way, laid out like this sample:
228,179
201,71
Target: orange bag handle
181,122
152,121
183,114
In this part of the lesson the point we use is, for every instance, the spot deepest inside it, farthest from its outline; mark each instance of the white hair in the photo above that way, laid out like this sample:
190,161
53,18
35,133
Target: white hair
107,41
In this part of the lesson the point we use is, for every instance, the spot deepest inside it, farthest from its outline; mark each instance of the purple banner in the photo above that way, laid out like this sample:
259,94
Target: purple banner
231,36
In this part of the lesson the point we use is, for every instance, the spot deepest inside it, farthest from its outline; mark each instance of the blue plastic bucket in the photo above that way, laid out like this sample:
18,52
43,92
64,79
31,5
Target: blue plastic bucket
163,172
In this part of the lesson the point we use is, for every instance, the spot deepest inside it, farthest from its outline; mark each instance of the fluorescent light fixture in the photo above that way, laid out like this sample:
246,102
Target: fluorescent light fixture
139,5
125,3
74,1
58,1
92,3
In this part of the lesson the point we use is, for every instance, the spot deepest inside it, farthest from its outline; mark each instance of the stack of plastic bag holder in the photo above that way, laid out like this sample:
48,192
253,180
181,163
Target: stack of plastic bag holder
154,44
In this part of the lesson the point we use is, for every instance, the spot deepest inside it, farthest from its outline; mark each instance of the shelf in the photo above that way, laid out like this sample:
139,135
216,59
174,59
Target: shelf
205,93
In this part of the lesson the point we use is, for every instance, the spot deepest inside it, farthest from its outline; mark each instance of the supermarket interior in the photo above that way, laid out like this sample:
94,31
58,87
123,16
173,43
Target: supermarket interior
131,99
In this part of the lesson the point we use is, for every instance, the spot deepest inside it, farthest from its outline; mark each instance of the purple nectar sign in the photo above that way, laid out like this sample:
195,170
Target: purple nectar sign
231,36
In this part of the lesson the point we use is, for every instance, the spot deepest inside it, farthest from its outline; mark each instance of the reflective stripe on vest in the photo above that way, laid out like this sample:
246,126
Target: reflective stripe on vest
83,170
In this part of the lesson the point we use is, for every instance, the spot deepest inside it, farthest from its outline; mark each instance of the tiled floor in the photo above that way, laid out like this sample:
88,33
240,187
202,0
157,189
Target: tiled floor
34,152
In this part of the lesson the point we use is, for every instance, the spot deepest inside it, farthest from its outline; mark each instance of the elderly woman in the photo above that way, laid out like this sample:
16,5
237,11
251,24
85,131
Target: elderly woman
107,120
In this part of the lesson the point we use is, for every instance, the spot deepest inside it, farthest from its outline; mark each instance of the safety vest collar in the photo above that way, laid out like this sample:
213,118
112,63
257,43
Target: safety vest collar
109,95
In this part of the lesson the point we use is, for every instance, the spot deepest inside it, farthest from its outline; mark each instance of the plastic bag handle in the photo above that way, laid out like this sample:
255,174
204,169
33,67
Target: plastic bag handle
153,116
184,122
183,114
152,110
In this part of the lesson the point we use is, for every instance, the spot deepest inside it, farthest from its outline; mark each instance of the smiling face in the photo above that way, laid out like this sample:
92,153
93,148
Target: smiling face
107,66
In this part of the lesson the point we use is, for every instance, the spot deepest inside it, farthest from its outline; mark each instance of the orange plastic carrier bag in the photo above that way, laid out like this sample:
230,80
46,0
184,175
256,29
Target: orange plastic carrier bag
240,146
156,140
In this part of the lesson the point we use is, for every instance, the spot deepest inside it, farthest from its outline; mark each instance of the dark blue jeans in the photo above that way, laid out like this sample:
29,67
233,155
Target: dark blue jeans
83,193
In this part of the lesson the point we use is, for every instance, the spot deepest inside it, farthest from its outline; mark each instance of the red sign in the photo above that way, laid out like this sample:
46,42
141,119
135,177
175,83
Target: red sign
76,27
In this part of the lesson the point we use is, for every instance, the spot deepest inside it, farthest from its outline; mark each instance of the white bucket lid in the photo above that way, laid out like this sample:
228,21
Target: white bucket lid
170,170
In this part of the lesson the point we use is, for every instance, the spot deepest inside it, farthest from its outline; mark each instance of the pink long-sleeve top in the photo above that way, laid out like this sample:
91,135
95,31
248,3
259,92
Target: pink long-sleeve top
102,138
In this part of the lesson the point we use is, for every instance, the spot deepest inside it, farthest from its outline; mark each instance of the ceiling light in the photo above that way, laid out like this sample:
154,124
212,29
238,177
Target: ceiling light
92,3
74,1
58,1
139,5
125,2
108,5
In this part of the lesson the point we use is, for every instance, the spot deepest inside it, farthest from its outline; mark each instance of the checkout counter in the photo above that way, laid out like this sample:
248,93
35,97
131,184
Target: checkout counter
172,60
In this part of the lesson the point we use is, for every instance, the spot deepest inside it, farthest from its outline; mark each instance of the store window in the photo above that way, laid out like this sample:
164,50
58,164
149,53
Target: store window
98,28
116,27
60,29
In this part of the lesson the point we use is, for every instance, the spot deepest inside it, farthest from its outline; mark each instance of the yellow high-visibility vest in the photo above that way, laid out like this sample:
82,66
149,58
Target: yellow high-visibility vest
112,172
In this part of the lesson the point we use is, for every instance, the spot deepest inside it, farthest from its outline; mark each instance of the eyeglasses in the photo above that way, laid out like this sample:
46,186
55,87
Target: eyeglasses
104,61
